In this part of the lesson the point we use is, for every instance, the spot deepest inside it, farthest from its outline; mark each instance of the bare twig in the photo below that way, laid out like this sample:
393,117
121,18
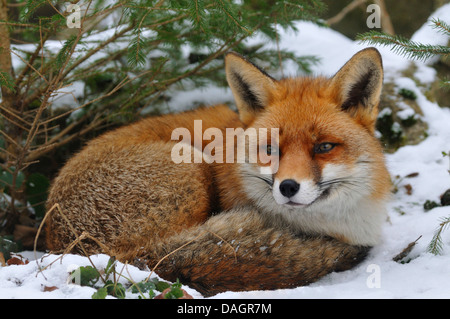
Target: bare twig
347,9
405,251
29,65
78,239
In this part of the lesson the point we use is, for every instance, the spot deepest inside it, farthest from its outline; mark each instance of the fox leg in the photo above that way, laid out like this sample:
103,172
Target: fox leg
236,251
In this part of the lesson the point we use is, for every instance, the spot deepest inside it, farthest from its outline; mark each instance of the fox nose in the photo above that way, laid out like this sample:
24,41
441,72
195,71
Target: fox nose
289,187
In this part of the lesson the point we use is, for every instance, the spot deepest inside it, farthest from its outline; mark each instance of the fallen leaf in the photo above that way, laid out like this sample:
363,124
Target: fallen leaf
408,189
14,261
48,289
17,260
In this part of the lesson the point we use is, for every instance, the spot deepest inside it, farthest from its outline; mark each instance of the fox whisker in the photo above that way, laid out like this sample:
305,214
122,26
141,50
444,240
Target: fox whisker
267,180
350,182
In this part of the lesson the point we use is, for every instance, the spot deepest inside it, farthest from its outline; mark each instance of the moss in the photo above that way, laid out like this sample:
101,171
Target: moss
407,94
445,198
391,134
409,121
429,205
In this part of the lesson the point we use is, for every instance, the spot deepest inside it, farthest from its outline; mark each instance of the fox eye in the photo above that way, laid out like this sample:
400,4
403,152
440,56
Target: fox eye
323,148
271,150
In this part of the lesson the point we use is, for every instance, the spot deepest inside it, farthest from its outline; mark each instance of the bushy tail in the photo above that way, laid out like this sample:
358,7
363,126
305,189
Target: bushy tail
235,251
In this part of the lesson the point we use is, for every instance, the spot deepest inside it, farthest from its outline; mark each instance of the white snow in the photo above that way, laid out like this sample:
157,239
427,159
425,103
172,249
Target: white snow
425,276
428,35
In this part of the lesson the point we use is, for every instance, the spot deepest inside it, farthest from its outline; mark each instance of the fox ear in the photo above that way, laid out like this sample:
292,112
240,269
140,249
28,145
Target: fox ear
250,85
358,86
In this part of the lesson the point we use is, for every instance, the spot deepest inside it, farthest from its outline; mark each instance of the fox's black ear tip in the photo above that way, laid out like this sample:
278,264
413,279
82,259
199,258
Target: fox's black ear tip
371,49
251,86
360,80
231,55
373,52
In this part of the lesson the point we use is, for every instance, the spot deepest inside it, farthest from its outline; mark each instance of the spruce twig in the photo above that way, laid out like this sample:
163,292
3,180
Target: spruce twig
402,46
436,245
441,26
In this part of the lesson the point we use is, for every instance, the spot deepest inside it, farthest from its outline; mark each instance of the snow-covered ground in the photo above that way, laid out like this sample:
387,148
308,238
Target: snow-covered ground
424,276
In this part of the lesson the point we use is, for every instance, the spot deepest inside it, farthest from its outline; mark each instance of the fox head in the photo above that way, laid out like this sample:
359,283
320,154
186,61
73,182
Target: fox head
330,177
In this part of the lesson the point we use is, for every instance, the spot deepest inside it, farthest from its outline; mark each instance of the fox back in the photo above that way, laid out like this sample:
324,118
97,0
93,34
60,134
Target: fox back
313,202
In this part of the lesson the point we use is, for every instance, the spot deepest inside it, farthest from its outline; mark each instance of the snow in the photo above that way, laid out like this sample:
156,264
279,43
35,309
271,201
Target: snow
424,276
30,281
428,35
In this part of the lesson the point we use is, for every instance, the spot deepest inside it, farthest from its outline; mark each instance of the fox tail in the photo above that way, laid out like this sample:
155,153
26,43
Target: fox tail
236,251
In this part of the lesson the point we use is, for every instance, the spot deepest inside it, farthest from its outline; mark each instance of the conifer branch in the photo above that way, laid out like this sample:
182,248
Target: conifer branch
225,7
128,70
436,245
441,26
403,46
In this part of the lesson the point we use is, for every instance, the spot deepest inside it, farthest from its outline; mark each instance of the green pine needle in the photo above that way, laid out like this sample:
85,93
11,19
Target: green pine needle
30,8
228,10
436,245
441,26
136,56
197,14
403,46
65,51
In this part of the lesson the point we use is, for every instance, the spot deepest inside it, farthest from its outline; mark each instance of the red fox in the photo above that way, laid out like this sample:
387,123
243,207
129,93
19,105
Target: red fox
221,226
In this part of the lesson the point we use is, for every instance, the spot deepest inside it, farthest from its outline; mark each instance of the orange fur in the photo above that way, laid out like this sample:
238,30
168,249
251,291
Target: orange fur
124,189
